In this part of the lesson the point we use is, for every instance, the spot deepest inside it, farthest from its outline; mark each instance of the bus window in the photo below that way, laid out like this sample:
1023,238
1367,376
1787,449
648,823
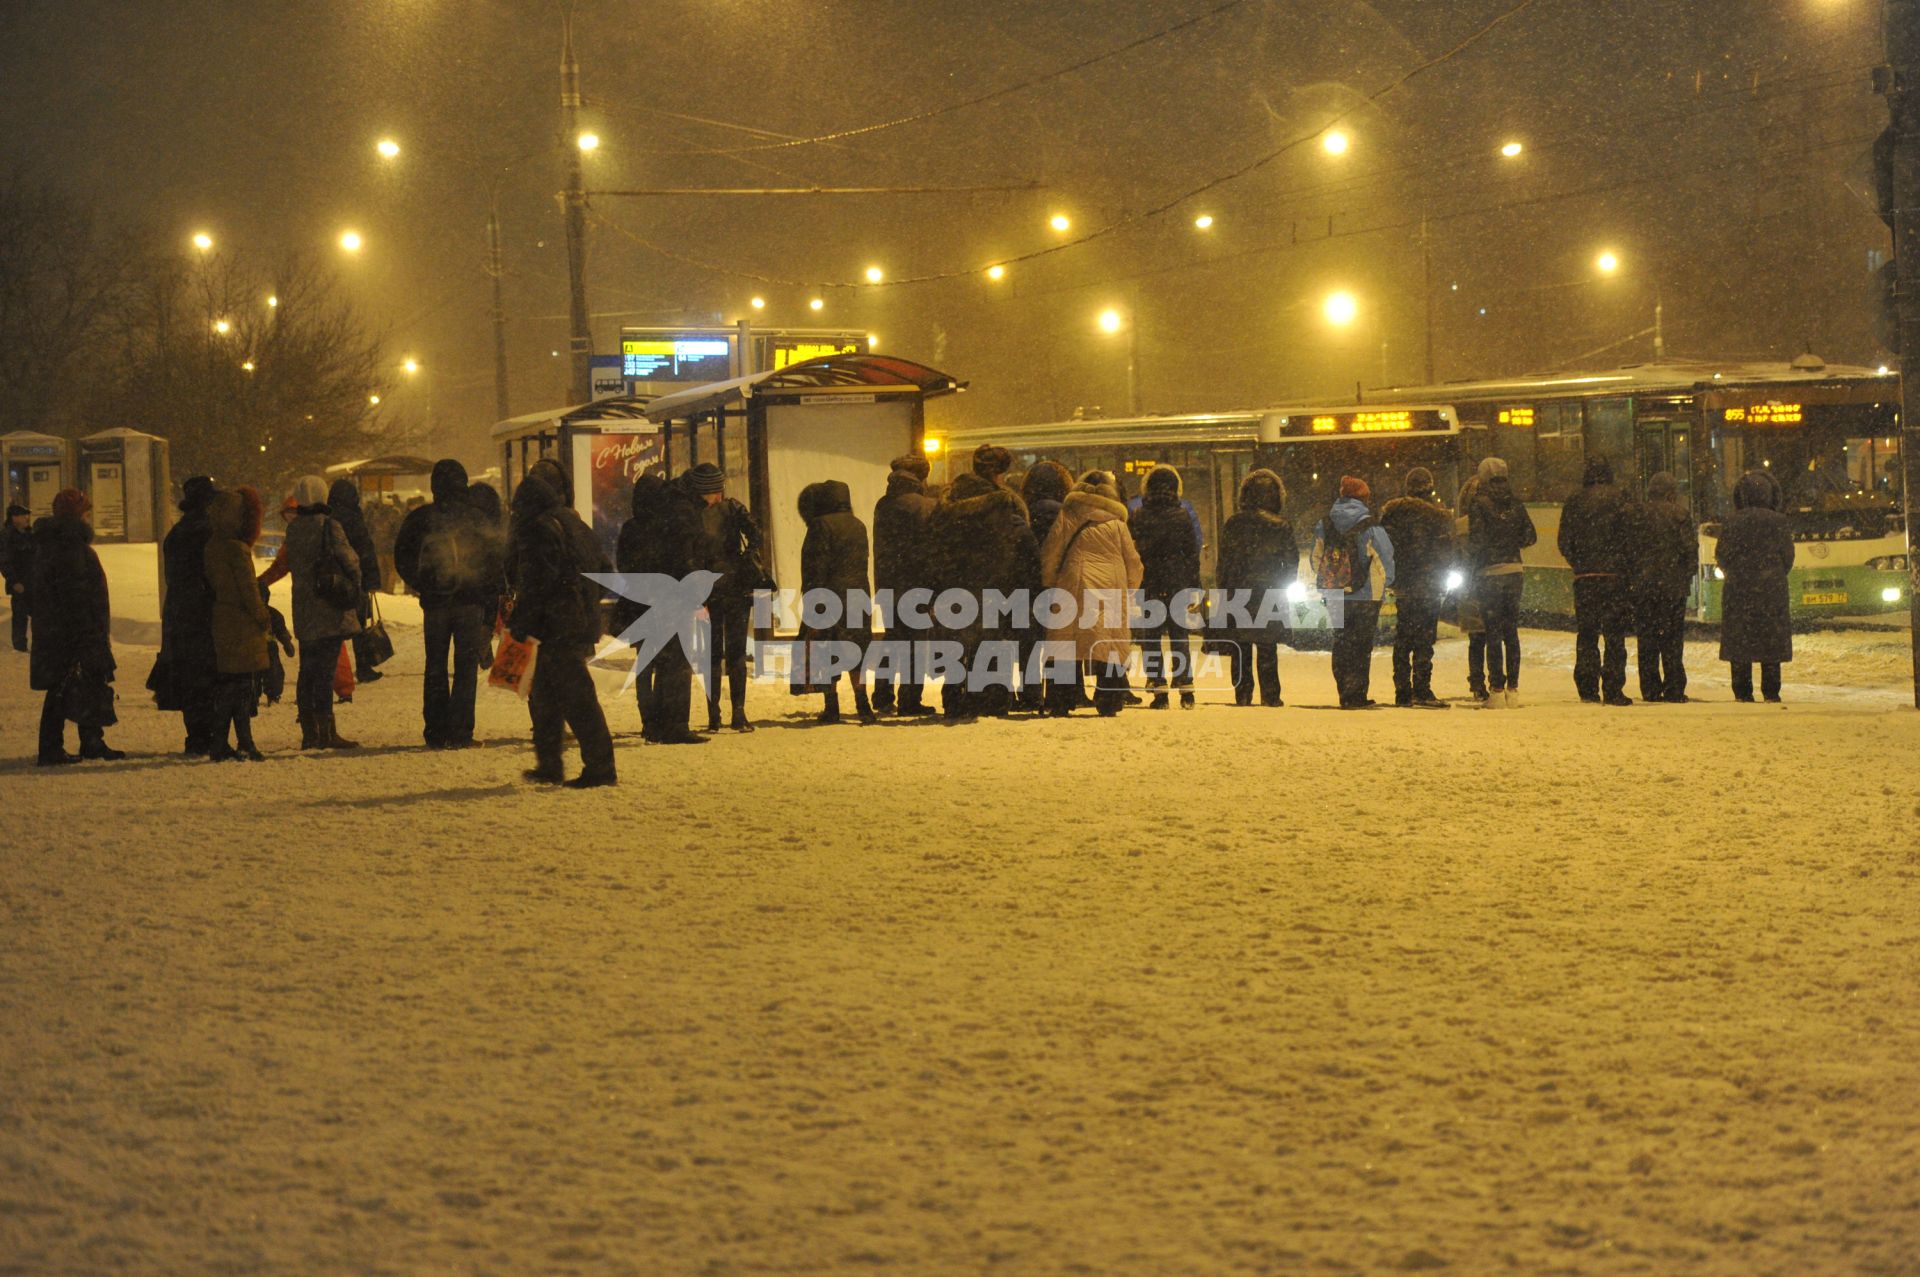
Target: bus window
1610,437
1561,451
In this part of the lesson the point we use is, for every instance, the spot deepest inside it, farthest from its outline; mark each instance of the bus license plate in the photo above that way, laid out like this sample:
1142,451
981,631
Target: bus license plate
1823,600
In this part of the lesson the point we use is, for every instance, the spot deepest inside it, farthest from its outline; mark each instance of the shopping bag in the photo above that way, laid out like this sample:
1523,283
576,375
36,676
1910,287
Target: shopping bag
376,645
513,664
88,700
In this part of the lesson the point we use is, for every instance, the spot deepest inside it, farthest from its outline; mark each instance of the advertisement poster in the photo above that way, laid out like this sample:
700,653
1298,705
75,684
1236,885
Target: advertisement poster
614,461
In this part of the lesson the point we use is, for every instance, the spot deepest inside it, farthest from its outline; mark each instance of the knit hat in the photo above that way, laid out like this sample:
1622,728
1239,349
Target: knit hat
914,464
1419,482
71,501
1351,486
706,478
1492,468
195,493
990,461
15,511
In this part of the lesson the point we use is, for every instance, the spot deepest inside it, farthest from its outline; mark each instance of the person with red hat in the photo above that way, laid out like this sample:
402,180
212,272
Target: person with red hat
1344,549
72,659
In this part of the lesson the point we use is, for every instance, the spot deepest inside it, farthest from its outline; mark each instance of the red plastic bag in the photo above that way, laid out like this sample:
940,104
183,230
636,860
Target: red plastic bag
513,661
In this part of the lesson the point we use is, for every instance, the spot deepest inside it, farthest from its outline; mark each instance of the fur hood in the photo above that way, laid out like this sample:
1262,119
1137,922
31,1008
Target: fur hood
1163,481
1047,481
970,495
1263,492
1756,488
1094,504
235,516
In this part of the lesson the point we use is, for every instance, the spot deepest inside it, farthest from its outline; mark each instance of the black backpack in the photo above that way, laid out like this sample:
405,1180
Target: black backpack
332,584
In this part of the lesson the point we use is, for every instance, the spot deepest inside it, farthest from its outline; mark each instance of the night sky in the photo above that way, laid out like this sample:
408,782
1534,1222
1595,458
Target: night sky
1719,148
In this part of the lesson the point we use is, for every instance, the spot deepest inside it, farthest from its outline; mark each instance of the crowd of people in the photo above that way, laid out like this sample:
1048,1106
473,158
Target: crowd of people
529,573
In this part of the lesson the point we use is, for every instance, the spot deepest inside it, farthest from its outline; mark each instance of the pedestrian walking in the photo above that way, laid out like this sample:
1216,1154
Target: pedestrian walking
326,609
1090,557
731,545
1168,541
557,605
982,542
343,499
188,670
1345,546
16,566
1596,539
902,555
833,560
1755,552
450,559
72,659
242,625
1259,555
1665,564
1421,531
1498,529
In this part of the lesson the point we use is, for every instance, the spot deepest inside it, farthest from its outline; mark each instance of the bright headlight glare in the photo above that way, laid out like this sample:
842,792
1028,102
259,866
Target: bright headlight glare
1455,580
1296,593
1718,575
1890,595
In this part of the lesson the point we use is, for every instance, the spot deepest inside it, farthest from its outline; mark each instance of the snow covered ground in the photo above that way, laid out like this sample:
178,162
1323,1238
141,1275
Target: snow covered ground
1566,989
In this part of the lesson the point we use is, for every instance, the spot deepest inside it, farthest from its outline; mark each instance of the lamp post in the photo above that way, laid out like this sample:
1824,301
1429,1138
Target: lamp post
1112,321
1608,265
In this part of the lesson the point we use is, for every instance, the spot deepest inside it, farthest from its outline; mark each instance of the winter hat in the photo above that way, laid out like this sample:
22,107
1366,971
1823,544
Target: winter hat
70,502
1262,490
1355,487
195,493
1163,480
913,463
1599,471
309,490
1100,483
1492,468
706,478
15,511
1662,487
1419,482
990,461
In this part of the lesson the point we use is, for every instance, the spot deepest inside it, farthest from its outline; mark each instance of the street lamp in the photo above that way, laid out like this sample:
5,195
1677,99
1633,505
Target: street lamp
816,304
273,301
1607,263
410,365
1335,142
875,274
388,148
351,241
588,141
1341,308
1060,222
873,342
374,400
758,303
223,326
996,272
1110,321
203,241
1204,222
1512,150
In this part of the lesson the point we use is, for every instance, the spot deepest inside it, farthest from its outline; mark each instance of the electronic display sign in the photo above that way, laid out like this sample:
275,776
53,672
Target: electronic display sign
1766,414
1520,416
1383,421
690,359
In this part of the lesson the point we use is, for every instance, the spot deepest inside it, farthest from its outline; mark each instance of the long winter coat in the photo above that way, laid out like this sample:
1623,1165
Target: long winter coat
1044,490
1756,553
186,618
315,531
445,551
343,500
1166,539
1099,567
982,541
1422,536
902,546
241,623
1596,526
1259,552
1666,556
834,556
72,616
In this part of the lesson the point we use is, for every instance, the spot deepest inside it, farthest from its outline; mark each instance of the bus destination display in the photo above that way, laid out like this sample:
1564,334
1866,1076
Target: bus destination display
1372,422
1767,414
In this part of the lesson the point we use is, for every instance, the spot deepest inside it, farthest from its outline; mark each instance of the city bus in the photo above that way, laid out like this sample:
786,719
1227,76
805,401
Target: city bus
1310,448
1830,435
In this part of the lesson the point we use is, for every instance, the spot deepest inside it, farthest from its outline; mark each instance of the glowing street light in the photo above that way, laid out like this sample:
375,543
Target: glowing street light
351,241
1512,150
758,303
1607,263
374,400
247,366
873,342
996,272
273,301
1060,222
875,274
816,304
1203,222
1335,142
203,241
588,141
410,365
1111,320
388,148
1341,308
223,326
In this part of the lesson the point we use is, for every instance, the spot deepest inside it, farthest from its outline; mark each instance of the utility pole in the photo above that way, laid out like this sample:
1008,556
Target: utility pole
1903,96
1426,260
500,409
580,339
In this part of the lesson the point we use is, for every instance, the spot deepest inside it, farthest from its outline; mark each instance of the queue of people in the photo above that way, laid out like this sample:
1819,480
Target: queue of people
1633,563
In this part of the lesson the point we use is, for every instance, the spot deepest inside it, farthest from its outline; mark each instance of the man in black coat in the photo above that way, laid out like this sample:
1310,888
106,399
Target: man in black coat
343,501
1169,544
901,557
72,626
1666,562
666,536
186,619
555,604
450,559
731,544
1421,530
16,565
1596,539
981,540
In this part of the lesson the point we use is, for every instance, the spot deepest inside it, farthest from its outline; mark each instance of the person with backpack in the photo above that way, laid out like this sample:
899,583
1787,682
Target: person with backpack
72,658
326,608
450,559
16,565
731,545
1090,556
900,563
1666,560
1167,538
1596,539
555,605
1421,531
1498,529
1755,552
1345,546
1258,554
242,624
833,560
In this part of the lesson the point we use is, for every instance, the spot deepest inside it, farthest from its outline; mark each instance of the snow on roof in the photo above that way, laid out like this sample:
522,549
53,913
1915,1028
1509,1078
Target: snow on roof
843,371
612,408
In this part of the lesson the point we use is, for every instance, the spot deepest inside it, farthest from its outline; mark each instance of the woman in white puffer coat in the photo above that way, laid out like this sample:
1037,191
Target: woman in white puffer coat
1089,554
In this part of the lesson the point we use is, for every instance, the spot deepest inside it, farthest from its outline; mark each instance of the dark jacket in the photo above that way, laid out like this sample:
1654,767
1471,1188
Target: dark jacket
638,546
16,561
186,618
241,623
981,541
731,544
344,500
1422,534
72,618
1045,490
1596,526
1756,553
1666,552
1165,537
834,556
445,551
553,602
901,550
1258,550
1498,525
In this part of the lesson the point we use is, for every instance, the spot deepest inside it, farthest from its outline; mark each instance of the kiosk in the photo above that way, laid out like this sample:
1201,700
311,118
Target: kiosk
127,475
37,466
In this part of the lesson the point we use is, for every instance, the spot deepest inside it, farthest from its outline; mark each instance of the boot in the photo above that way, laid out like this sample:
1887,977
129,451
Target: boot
309,735
94,745
1159,701
330,737
602,775
713,715
862,706
685,736
739,721
1186,700
244,748
546,772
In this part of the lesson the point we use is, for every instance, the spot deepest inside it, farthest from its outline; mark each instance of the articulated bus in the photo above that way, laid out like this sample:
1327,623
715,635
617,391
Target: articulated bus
1829,434
1309,448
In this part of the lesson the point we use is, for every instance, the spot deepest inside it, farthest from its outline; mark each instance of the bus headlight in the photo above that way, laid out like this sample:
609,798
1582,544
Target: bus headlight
1296,593
1890,595
1454,581
1718,575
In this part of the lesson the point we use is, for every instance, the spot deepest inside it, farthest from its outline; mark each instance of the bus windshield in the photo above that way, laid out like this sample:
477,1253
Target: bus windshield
1839,472
1312,471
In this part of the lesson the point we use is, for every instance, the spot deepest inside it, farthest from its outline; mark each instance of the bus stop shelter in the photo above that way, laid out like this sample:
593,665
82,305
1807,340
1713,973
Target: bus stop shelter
604,445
